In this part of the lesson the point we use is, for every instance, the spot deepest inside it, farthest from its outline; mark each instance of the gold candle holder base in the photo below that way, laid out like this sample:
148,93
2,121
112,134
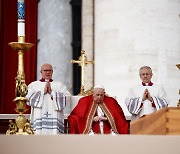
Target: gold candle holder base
22,125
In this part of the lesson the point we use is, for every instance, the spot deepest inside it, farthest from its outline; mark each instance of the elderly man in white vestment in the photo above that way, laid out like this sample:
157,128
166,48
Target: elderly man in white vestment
146,97
47,99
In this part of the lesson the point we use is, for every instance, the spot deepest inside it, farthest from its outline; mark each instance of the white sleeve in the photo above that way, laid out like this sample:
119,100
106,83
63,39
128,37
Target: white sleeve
61,97
133,103
161,99
35,97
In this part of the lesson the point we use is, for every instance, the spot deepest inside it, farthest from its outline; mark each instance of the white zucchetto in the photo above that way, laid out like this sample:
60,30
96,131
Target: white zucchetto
99,86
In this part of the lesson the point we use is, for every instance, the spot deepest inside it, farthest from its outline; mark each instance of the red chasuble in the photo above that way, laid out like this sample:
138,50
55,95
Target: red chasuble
81,118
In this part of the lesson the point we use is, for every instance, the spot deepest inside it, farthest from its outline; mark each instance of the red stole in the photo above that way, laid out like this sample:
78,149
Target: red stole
149,84
43,80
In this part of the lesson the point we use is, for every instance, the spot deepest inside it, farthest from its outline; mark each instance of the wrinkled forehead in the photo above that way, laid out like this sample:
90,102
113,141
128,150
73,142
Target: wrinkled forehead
145,70
46,66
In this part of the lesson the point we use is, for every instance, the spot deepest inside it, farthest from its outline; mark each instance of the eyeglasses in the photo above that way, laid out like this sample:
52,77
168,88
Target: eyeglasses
47,70
147,74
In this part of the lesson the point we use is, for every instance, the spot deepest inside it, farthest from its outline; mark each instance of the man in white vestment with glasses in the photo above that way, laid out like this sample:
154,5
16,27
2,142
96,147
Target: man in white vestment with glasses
47,99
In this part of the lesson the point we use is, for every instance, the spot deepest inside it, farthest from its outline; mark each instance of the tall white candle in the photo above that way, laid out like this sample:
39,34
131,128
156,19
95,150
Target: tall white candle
21,17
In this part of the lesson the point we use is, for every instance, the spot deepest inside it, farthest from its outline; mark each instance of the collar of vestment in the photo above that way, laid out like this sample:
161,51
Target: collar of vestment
44,80
147,84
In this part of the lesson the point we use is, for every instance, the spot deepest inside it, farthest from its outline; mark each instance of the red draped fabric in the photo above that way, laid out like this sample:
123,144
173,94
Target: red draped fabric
8,57
81,117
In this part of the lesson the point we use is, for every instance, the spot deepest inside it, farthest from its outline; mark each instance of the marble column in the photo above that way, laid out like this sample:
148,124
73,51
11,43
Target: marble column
88,40
130,34
55,35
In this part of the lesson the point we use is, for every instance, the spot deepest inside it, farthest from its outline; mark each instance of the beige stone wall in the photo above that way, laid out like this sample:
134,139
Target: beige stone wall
129,34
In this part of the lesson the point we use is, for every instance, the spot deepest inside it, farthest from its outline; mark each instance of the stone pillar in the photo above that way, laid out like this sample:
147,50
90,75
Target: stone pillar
55,37
130,34
88,39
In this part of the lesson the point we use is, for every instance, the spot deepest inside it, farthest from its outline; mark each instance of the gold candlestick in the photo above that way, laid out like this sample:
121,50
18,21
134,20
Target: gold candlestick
21,125
83,62
178,104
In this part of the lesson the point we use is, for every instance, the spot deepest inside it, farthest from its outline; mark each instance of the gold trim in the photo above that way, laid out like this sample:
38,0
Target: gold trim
92,113
20,46
21,39
90,118
109,116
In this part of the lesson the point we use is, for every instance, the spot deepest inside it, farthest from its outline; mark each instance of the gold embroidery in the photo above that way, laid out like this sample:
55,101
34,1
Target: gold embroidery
90,118
109,116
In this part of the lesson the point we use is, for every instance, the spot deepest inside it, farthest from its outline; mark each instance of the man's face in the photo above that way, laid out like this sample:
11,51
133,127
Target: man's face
145,75
98,95
46,71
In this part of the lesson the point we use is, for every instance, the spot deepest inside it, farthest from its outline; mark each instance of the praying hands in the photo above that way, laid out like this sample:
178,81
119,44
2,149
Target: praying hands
101,118
47,88
146,95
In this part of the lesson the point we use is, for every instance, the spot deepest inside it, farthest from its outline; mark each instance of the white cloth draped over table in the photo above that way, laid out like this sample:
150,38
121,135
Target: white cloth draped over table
47,116
134,100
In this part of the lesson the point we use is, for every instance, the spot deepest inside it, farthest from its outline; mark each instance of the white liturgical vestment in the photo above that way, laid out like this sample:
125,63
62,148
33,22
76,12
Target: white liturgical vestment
139,108
47,115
